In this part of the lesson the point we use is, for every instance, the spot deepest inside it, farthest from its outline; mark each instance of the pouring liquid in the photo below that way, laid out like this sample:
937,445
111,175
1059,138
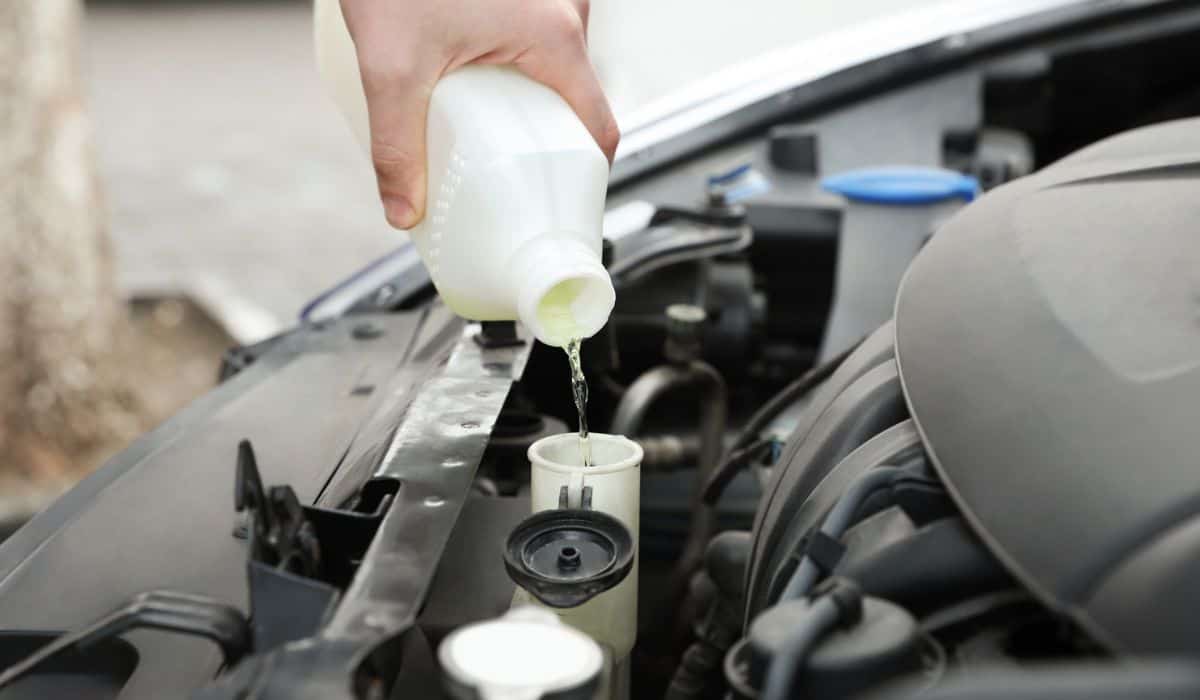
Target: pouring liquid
554,311
579,389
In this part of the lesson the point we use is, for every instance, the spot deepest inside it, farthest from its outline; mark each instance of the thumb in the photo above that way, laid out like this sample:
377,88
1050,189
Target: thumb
398,105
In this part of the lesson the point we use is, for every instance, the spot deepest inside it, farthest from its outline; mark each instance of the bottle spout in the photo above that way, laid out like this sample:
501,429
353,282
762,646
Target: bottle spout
565,292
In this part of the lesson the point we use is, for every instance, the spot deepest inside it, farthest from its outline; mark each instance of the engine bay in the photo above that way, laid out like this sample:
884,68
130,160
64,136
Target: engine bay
987,494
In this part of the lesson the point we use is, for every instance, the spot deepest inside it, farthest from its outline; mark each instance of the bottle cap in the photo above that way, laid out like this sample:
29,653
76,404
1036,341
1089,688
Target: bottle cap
526,654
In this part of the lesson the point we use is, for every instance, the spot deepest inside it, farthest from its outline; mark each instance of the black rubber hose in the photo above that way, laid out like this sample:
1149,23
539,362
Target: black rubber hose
738,458
821,618
838,521
938,565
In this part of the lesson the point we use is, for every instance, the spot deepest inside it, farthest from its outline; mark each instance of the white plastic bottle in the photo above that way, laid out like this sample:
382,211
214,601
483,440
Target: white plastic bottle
516,187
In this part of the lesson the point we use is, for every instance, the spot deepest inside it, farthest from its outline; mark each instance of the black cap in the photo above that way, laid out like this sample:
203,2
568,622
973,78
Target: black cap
884,644
564,558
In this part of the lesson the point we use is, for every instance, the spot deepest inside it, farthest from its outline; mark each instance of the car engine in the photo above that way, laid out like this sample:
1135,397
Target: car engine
912,366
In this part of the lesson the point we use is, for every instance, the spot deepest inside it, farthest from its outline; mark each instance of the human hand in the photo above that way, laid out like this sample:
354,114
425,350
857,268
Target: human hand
405,46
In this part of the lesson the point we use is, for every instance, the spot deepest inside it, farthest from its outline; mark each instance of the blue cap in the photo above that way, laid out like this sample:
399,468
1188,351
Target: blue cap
730,175
901,186
738,184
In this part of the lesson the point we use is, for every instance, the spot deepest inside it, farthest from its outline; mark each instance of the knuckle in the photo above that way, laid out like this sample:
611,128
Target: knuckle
391,162
584,9
610,135
563,21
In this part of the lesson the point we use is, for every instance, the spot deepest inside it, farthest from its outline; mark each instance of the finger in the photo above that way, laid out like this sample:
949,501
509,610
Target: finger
584,8
398,90
564,67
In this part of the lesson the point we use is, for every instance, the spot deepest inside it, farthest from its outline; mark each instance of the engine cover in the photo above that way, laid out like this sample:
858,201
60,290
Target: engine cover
1048,340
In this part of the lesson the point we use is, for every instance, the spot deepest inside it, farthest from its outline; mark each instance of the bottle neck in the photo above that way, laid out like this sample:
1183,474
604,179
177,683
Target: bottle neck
564,292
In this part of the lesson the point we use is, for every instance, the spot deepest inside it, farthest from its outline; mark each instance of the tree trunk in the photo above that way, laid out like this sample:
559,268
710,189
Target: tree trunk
62,325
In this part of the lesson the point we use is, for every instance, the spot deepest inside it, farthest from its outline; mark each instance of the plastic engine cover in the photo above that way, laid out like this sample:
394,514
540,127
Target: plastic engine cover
1048,340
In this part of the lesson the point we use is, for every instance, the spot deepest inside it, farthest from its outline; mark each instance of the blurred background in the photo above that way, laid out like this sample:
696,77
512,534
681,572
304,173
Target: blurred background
229,192
231,175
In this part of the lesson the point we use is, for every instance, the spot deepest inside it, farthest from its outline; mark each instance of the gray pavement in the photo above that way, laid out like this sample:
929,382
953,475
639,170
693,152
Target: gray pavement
228,172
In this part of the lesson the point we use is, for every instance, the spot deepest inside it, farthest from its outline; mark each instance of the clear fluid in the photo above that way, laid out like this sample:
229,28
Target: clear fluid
579,389
554,311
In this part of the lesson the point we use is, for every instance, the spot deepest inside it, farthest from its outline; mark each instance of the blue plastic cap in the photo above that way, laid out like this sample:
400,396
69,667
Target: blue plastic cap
730,175
738,184
903,186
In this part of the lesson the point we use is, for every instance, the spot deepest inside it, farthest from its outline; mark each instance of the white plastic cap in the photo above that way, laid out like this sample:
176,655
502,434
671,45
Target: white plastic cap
564,292
523,655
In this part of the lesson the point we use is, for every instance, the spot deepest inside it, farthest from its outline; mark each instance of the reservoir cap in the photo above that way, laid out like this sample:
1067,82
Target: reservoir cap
567,557
903,185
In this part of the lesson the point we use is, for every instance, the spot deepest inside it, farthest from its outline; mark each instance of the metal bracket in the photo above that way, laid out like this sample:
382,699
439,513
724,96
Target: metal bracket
280,534
431,451
294,579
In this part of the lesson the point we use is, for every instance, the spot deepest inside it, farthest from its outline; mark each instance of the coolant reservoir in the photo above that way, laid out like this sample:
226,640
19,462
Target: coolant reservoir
612,486
515,198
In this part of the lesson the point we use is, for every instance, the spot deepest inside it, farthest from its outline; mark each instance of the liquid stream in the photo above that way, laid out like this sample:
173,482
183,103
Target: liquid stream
579,389
554,311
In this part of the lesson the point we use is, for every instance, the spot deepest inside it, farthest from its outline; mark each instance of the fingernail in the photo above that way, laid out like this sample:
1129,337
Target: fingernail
399,212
